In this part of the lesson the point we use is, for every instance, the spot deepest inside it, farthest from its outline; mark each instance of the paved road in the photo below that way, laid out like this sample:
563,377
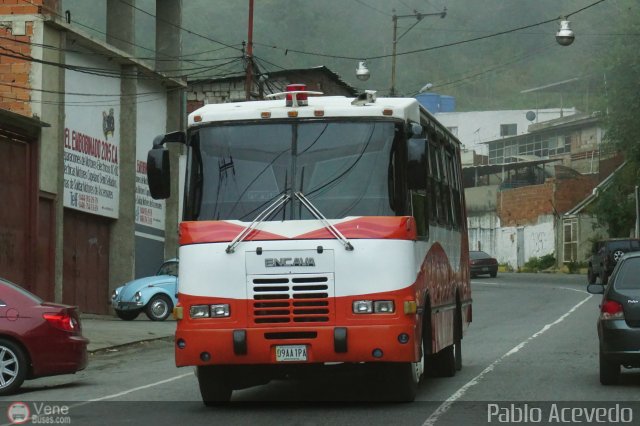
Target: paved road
532,341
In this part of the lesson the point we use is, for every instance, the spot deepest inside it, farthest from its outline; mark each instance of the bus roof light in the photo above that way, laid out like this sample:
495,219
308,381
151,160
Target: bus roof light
300,93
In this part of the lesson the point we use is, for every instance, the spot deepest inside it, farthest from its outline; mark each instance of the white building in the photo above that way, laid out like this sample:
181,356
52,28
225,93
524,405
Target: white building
475,127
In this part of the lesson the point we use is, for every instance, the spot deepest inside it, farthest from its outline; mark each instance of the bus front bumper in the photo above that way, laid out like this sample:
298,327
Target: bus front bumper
382,343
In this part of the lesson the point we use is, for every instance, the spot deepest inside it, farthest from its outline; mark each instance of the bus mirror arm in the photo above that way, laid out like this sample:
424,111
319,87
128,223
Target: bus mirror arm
177,137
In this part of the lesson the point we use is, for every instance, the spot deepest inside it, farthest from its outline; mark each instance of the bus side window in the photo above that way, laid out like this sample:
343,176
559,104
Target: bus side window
433,182
417,183
397,176
458,187
453,193
442,197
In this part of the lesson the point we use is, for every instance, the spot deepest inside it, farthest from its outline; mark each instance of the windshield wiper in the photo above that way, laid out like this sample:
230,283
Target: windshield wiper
257,221
314,211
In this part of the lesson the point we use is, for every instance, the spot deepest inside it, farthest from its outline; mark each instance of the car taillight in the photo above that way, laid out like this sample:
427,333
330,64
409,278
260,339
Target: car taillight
62,321
610,310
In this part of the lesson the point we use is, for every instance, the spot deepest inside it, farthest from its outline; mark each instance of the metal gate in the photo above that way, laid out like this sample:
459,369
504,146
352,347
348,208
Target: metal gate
18,180
86,261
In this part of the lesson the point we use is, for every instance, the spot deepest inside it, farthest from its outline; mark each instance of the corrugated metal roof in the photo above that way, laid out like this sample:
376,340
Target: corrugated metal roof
282,73
488,169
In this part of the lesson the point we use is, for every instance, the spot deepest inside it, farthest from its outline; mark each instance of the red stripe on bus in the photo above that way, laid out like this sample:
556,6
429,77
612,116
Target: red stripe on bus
378,227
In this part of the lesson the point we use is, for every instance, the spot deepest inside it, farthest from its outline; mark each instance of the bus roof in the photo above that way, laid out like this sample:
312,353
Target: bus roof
330,106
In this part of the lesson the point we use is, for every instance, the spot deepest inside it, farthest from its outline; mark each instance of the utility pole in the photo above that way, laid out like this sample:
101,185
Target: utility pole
249,82
418,16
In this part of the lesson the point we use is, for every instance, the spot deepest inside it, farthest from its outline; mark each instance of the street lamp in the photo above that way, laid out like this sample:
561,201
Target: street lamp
565,35
362,72
418,16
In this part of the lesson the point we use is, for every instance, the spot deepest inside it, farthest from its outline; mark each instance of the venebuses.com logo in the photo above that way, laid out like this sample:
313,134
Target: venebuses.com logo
39,413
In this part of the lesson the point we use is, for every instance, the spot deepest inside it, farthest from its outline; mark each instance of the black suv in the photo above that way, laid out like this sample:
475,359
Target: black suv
605,254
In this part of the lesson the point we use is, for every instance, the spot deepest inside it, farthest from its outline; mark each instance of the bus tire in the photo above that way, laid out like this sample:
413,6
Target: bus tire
457,344
403,381
444,362
214,385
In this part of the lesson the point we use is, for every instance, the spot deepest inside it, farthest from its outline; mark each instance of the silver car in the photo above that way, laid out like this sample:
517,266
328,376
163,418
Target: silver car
619,321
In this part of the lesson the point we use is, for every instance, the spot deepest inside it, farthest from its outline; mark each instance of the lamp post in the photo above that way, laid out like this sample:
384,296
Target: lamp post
418,16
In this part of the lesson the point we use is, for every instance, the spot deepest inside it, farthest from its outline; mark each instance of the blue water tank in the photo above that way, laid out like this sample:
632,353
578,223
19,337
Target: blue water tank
431,101
447,103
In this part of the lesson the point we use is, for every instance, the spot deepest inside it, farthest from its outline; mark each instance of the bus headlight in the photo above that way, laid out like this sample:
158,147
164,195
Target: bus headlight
221,310
373,307
383,307
362,307
199,311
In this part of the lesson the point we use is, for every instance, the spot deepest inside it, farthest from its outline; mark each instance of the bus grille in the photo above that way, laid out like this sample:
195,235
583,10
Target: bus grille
291,299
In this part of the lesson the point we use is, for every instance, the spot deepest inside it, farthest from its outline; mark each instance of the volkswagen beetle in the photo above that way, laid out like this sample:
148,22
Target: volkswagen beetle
155,295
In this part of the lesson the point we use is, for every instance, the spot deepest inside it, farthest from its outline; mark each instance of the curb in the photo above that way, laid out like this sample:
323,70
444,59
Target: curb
124,345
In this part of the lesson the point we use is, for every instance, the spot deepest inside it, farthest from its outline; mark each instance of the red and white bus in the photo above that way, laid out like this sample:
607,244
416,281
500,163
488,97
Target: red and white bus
318,230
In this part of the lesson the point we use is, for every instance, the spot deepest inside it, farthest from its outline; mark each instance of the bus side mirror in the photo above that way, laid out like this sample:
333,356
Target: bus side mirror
417,163
159,173
158,168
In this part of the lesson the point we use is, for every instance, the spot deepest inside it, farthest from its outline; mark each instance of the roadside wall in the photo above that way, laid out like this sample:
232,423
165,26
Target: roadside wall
503,242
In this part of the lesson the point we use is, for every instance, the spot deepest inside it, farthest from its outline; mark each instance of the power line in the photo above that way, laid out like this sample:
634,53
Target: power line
372,8
469,77
103,71
188,30
106,56
53,11
225,45
426,49
178,26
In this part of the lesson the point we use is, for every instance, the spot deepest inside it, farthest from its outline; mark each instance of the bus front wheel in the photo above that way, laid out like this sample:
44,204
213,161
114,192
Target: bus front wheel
214,385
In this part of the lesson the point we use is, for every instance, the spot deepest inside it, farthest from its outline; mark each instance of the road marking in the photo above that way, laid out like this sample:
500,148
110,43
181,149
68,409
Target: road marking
446,405
526,285
161,382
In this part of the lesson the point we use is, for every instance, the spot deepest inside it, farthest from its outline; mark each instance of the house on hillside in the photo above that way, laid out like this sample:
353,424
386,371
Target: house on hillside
232,89
516,202
580,227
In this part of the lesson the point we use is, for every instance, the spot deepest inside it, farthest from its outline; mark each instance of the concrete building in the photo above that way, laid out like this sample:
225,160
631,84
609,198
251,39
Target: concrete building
77,116
516,202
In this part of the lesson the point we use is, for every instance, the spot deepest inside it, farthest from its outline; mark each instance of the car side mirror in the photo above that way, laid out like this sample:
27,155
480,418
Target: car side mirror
595,288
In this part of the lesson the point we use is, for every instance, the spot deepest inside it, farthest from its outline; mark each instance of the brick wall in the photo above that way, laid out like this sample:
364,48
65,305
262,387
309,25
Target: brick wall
15,93
570,192
524,205
15,65
16,34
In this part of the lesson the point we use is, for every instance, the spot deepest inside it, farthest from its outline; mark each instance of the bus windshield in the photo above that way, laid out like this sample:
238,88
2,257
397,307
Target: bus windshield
342,167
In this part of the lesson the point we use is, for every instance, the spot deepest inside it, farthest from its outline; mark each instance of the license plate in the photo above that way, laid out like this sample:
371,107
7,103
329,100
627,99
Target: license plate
485,268
291,353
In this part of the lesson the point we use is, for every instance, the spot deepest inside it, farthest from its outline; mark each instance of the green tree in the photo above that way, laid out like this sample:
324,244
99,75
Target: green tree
616,205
